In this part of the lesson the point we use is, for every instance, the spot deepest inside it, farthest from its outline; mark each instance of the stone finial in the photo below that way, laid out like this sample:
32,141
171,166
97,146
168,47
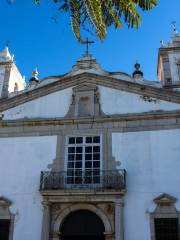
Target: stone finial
174,29
5,55
34,80
137,74
35,73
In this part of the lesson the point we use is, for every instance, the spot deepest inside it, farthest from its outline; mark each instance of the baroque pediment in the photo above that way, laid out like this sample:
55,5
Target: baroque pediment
4,202
165,199
88,95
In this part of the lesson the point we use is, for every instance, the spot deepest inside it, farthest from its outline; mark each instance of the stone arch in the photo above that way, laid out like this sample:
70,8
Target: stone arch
76,207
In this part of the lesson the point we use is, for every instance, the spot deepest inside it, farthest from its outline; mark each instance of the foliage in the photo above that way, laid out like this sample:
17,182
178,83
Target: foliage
101,14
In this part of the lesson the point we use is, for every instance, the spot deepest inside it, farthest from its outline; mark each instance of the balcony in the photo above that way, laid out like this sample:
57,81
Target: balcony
88,179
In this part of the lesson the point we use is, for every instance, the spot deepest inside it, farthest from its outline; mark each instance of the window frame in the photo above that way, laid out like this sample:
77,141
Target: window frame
84,144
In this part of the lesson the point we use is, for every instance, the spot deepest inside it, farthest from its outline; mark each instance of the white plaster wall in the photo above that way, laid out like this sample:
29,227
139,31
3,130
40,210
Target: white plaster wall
2,74
152,162
15,77
21,161
50,106
121,102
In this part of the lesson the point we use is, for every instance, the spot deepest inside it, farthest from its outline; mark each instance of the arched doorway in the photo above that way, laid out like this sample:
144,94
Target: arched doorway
82,225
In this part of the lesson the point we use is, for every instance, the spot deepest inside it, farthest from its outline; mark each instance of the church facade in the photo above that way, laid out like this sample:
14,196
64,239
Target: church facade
91,154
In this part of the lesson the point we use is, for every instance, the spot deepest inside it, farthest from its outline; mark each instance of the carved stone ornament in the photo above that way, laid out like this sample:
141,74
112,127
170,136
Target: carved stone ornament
4,202
165,200
85,101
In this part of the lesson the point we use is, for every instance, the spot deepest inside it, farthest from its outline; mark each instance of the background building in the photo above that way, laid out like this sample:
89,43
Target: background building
91,154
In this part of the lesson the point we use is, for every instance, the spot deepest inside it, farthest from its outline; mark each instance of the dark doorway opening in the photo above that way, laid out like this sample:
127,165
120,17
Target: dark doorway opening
82,225
4,229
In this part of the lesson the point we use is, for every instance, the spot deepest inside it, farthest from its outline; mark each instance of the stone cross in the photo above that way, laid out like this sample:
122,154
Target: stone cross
87,42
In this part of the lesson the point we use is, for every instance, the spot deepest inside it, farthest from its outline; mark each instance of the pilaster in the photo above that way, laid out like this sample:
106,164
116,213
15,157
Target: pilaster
119,220
46,221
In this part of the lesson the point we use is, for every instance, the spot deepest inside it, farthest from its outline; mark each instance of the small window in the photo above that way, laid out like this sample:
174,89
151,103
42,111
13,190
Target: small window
4,229
166,228
15,87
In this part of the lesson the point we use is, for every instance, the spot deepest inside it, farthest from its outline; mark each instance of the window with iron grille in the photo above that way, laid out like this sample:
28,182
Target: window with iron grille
4,229
83,162
166,228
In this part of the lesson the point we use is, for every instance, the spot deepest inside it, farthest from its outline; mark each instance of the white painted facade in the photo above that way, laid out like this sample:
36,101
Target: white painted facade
32,140
152,162
22,160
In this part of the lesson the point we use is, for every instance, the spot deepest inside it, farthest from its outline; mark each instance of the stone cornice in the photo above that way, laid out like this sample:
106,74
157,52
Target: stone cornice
66,82
155,115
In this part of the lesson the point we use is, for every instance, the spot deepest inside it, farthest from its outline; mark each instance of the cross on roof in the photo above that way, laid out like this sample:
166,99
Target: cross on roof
173,24
87,42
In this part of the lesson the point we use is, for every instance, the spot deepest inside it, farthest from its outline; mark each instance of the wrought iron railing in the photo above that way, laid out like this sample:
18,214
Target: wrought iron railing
89,179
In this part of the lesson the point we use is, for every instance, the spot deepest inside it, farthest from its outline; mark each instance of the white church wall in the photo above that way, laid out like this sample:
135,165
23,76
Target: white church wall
121,102
152,161
50,106
22,159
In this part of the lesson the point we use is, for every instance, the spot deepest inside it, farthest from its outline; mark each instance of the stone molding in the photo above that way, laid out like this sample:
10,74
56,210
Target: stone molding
117,123
6,214
165,208
67,82
75,207
85,101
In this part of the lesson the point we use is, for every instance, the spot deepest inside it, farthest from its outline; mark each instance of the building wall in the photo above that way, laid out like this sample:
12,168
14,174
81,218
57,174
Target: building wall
121,102
152,162
112,102
51,106
22,159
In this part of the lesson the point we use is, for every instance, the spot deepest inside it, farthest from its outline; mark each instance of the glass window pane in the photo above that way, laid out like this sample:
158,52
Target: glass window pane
71,149
96,156
96,149
88,139
70,180
96,179
78,149
79,140
88,164
71,140
70,157
70,164
96,139
88,172
88,157
70,172
78,172
78,165
96,172
78,157
96,164
88,149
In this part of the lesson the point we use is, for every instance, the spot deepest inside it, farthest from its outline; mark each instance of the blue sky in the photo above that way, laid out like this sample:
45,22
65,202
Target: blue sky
36,40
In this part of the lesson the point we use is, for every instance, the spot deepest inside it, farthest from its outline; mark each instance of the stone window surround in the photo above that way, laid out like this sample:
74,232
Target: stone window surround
165,209
5,214
108,161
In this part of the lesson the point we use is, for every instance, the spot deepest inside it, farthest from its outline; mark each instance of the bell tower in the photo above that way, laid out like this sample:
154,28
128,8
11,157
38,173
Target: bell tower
168,69
11,79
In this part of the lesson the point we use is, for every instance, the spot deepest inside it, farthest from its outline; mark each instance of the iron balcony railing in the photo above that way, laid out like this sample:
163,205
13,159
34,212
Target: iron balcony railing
88,179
